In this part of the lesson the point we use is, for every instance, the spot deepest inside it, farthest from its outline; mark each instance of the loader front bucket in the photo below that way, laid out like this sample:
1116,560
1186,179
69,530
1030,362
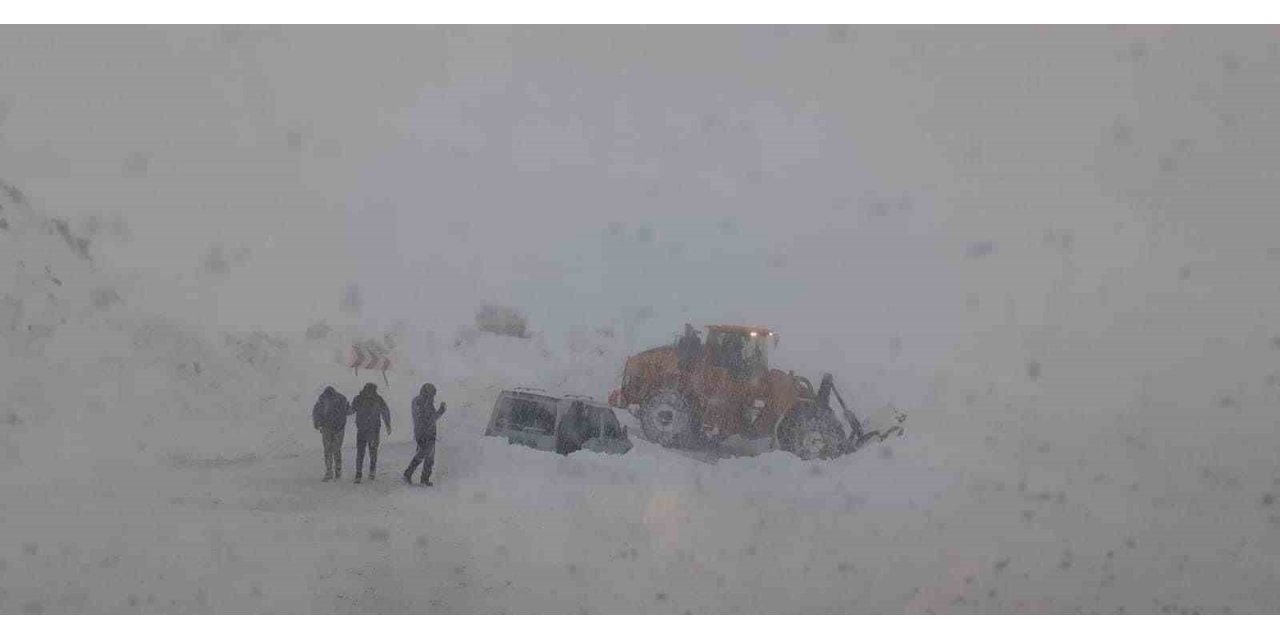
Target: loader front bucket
886,423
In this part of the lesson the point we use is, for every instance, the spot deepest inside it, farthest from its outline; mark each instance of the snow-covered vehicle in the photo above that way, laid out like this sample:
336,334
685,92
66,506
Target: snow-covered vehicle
723,391
559,423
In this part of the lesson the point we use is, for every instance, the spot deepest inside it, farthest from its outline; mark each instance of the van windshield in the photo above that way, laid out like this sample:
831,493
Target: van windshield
606,423
583,422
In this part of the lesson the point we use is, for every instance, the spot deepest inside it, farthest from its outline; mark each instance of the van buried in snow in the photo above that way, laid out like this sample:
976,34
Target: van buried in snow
559,423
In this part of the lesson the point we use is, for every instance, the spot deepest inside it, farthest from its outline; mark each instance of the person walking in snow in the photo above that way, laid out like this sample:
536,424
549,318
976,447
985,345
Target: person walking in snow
330,418
371,412
425,415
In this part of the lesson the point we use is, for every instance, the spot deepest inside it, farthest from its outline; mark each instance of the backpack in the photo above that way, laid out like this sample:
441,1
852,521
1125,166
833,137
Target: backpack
320,412
326,412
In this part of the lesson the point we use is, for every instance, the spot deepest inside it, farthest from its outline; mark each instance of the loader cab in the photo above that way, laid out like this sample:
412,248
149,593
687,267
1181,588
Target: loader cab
743,351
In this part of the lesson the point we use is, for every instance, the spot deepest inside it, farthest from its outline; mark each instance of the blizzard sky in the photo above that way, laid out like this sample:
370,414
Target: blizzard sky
895,202
770,176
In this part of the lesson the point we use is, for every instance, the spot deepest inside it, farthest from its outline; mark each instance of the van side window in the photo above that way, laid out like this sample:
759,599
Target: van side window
581,423
608,422
597,425
526,414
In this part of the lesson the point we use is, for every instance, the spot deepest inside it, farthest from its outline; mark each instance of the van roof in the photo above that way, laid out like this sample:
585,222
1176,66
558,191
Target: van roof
558,397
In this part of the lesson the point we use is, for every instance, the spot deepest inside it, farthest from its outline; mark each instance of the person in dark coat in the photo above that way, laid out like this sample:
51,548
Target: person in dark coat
688,348
371,412
330,418
425,416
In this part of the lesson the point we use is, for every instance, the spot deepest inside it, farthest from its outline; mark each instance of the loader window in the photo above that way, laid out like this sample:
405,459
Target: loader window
757,357
534,416
746,357
721,347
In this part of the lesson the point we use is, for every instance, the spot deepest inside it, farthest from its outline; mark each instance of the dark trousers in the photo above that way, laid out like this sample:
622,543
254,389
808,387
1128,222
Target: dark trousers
333,451
367,439
426,456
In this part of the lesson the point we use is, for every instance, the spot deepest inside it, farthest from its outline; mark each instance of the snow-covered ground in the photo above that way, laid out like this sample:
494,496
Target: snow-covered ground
1050,247
192,484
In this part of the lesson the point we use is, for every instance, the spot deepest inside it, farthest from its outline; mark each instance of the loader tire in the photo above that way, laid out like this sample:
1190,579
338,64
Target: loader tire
813,434
667,418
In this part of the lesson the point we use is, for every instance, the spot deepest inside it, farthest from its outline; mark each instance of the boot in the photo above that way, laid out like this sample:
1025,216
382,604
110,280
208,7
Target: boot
408,477
358,477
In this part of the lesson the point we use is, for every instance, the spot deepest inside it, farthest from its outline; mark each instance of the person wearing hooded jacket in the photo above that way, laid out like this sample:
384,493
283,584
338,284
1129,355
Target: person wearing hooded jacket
425,415
330,418
371,412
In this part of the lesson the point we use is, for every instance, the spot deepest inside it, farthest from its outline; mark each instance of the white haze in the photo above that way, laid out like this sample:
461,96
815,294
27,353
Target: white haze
1051,246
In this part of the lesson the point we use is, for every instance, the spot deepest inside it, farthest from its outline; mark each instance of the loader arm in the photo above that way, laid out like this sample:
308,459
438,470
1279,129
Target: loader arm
828,388
857,437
